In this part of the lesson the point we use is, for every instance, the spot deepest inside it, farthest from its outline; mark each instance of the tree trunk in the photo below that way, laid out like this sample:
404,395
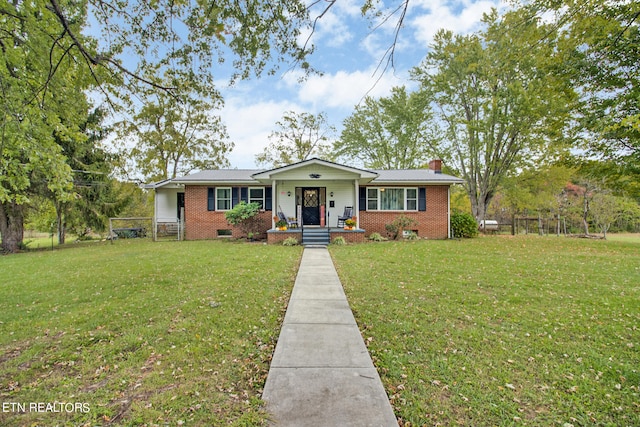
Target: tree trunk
11,226
61,226
479,208
540,226
585,212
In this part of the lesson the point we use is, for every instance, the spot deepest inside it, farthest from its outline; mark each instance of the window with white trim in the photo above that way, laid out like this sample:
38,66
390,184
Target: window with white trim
256,194
411,197
392,199
223,198
372,199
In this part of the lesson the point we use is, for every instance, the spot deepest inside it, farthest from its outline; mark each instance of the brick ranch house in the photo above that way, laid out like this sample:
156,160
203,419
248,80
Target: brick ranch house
313,192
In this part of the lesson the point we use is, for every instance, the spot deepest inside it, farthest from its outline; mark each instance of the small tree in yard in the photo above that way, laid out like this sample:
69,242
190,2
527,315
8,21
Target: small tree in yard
605,210
245,216
398,225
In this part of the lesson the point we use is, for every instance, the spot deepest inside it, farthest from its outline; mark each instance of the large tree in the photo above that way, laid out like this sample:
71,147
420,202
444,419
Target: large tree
48,63
176,135
390,133
603,39
42,102
500,97
299,136
94,196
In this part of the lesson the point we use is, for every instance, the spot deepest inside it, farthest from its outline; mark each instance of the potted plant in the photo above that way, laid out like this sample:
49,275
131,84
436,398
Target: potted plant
281,224
349,224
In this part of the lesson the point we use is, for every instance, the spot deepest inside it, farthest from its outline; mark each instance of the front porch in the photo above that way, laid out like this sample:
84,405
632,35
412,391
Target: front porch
351,236
315,192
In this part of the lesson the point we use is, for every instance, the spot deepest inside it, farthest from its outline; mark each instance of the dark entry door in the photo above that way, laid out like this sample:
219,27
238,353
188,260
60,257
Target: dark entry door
311,206
180,204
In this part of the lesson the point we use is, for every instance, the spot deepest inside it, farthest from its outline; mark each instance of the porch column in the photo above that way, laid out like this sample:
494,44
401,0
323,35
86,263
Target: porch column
274,203
356,205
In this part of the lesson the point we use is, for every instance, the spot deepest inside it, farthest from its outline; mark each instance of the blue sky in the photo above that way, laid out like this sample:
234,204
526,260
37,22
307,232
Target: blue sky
348,52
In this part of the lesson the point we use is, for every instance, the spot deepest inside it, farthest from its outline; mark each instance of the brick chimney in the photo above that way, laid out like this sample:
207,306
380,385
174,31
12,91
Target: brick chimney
436,165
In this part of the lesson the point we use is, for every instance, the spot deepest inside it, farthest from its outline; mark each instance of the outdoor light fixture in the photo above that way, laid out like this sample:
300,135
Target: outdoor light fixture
314,175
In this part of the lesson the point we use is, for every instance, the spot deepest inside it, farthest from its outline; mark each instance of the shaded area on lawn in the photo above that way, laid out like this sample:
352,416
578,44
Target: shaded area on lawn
142,332
501,330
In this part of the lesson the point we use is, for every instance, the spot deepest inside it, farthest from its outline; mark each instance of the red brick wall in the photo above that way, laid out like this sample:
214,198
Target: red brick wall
432,224
203,224
276,236
349,236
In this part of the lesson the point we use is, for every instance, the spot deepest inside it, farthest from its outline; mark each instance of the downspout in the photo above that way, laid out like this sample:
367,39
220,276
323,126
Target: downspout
449,211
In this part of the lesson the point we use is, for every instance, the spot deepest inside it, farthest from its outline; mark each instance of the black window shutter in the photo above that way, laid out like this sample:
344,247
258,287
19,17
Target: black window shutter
211,199
363,199
244,194
422,199
267,198
235,193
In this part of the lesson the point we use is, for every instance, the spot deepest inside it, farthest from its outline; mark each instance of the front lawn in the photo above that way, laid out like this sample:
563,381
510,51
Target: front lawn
141,333
500,330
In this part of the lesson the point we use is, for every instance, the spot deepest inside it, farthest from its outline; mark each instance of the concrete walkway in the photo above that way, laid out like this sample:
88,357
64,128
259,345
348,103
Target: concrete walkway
321,373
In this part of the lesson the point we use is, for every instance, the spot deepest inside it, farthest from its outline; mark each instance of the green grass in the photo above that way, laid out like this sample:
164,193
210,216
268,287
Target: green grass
143,333
624,237
501,331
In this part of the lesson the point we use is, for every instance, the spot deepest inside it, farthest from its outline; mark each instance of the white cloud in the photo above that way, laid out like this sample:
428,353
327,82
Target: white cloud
249,125
461,18
333,29
346,47
343,89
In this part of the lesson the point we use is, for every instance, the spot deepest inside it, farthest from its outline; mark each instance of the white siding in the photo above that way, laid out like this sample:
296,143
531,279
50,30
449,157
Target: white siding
325,172
167,204
343,195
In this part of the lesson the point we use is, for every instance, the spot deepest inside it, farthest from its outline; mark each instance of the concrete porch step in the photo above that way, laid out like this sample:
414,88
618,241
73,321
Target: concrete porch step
315,236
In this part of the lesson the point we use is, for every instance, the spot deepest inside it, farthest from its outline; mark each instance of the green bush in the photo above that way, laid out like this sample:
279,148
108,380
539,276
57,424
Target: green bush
290,241
411,236
339,241
398,225
245,216
377,237
463,225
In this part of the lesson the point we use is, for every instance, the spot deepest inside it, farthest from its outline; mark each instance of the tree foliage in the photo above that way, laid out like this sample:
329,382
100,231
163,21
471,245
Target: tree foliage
536,189
300,136
49,62
605,210
501,98
42,102
463,225
174,136
140,39
390,133
94,197
602,39
246,216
